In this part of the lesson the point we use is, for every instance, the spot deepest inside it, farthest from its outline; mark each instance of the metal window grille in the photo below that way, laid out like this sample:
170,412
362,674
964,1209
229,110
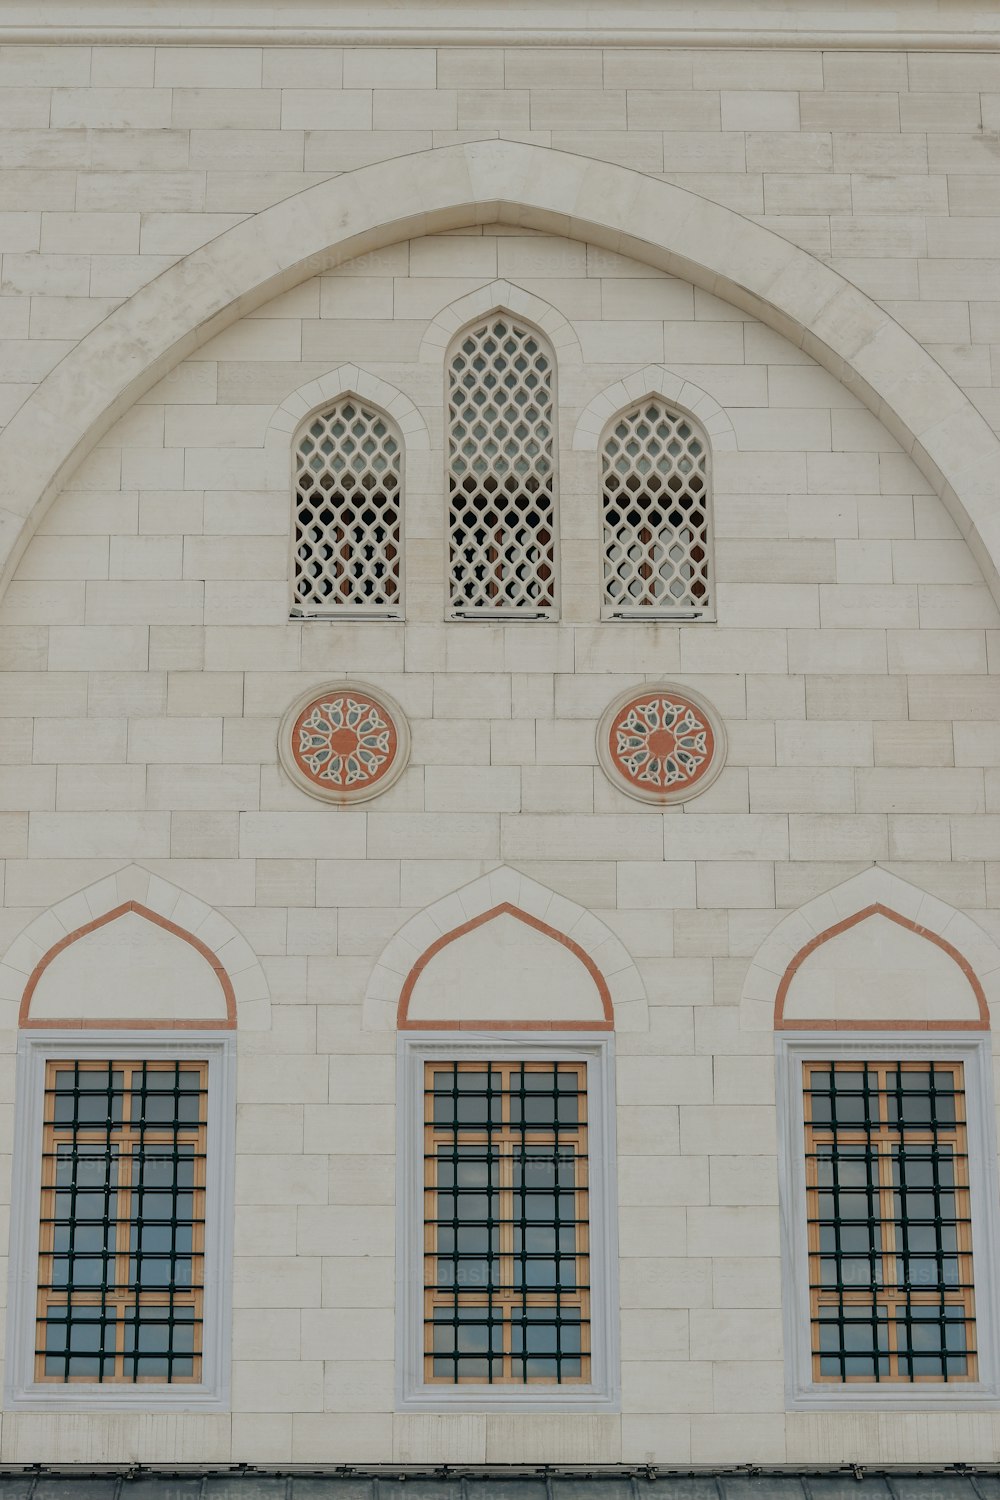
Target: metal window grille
348,513
122,1229
501,471
889,1226
506,1247
656,545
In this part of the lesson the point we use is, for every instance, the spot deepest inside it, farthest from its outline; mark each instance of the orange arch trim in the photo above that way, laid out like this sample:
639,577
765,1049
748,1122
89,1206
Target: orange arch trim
229,1024
505,908
780,1024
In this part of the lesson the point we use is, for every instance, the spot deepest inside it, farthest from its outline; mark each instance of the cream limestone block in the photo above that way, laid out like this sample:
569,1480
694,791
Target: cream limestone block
825,744
349,1130
265,1335
530,1437
264,1127
360,1386
278,1385
439,1438
921,790
659,1439
93,1438
362,1179
269,1281
667,1385
359,1229
757,1334
726,1437
723,1132
264,1438
896,1437
848,696
324,1437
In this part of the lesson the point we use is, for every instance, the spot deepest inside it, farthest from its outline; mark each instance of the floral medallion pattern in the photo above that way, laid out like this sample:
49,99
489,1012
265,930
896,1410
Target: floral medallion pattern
660,745
343,744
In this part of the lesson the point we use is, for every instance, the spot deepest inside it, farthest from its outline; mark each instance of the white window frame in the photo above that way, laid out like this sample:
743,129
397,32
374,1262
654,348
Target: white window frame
802,1392
21,1391
603,1393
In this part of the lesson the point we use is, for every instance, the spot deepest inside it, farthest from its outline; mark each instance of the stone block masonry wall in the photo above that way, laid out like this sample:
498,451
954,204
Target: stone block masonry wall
147,659
119,160
150,658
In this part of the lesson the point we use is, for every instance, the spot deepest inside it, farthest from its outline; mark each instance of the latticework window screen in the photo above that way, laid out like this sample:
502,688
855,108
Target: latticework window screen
655,498
501,470
348,513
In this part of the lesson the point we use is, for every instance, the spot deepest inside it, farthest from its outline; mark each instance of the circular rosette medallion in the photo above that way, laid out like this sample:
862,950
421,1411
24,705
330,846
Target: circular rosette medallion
662,745
344,743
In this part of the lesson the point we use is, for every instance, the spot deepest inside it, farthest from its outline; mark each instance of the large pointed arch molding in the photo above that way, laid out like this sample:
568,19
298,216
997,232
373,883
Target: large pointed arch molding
450,187
505,890
133,889
873,892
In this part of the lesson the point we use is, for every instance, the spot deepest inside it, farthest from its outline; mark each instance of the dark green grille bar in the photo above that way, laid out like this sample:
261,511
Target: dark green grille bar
121,1241
506,1258
889,1222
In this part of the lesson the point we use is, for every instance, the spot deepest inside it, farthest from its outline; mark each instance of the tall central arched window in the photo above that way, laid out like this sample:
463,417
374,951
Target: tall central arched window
501,471
656,547
348,513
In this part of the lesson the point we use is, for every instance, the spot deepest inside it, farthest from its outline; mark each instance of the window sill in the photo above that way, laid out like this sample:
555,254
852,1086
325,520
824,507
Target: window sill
115,1398
308,617
504,616
971,1397
657,617
486,1398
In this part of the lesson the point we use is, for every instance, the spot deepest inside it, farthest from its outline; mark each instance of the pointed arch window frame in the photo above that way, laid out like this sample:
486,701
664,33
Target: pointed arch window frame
353,610
612,612
454,610
36,1049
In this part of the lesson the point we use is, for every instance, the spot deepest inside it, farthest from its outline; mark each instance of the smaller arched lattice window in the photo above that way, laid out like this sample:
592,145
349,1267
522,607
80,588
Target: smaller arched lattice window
348,512
656,546
501,470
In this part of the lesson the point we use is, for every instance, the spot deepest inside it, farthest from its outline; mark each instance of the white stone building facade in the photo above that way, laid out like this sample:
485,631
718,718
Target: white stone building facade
774,239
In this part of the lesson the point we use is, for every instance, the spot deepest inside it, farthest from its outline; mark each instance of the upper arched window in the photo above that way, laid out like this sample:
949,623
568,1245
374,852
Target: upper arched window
656,547
501,471
348,554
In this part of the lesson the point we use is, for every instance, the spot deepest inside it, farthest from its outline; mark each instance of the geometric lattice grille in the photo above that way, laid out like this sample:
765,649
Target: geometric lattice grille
889,1222
506,1237
654,469
348,512
501,470
122,1224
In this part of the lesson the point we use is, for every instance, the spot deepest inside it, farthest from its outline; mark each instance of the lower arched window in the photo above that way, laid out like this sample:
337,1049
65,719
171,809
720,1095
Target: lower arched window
890,1219
122,1211
656,542
507,1270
